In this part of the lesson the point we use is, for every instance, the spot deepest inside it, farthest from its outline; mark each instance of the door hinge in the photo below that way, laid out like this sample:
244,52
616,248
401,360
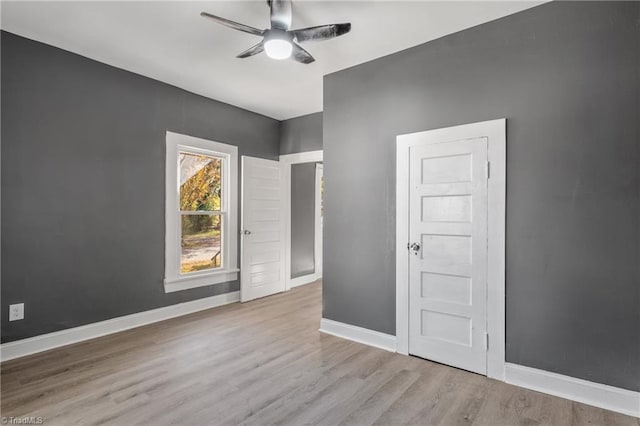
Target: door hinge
486,341
488,169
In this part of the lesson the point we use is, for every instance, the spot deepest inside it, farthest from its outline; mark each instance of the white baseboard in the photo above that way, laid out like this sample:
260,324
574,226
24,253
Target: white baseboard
596,394
358,334
56,339
305,279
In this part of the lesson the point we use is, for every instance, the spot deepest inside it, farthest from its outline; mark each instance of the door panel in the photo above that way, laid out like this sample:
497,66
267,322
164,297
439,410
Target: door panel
446,288
263,244
448,272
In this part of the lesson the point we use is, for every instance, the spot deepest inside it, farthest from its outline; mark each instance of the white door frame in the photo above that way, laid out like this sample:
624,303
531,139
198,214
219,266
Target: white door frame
286,161
495,132
317,246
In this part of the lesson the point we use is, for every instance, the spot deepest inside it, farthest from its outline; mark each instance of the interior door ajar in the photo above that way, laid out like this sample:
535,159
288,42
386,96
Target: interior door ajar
448,253
262,229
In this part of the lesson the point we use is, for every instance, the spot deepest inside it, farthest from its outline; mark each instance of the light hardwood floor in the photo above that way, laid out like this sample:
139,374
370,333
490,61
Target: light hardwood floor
264,362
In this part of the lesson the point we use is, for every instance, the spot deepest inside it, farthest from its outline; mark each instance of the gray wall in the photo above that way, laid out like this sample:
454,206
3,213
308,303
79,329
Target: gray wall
303,216
566,76
83,184
301,134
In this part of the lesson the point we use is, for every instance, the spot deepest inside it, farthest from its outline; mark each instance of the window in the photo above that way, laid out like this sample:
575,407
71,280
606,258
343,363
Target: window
201,215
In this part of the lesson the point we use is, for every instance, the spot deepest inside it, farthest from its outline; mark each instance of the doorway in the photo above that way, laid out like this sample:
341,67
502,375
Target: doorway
303,174
281,223
450,246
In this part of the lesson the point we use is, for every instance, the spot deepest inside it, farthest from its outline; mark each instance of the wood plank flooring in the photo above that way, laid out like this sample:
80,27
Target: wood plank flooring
264,362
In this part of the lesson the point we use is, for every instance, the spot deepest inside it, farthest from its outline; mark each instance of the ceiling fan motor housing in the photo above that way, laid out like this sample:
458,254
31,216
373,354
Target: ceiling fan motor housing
278,44
276,34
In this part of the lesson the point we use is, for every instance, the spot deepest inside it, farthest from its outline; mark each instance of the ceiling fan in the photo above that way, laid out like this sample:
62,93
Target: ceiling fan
279,42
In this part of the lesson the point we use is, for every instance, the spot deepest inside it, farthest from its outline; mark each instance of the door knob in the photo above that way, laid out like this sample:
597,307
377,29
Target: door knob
415,247
246,232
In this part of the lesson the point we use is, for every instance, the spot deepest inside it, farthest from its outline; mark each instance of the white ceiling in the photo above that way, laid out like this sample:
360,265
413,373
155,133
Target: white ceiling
170,42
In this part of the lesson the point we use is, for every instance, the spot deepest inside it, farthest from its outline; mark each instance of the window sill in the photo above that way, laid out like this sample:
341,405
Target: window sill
199,280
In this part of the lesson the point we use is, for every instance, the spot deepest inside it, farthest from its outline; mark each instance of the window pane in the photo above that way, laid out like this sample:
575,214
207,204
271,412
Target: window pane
201,248
200,182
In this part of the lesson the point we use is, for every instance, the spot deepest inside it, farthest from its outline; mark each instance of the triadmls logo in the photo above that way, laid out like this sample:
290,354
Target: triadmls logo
25,420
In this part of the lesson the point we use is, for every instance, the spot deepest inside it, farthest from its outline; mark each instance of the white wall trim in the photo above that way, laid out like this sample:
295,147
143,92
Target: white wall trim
402,237
56,339
201,280
286,161
358,334
302,157
495,132
304,279
596,394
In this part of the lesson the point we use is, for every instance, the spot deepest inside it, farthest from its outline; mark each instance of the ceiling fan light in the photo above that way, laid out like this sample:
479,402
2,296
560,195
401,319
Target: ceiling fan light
278,48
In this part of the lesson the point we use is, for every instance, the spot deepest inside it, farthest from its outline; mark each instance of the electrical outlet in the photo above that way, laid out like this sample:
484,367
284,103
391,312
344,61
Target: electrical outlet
16,312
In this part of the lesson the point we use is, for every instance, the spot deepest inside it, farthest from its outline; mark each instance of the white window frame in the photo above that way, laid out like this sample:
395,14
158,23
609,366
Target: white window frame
174,280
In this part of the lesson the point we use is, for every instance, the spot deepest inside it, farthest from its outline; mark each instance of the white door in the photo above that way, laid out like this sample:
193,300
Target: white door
448,253
262,230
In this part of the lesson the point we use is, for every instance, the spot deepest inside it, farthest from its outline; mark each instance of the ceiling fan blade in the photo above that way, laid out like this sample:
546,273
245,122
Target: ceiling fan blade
321,32
232,24
300,55
253,50
280,14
